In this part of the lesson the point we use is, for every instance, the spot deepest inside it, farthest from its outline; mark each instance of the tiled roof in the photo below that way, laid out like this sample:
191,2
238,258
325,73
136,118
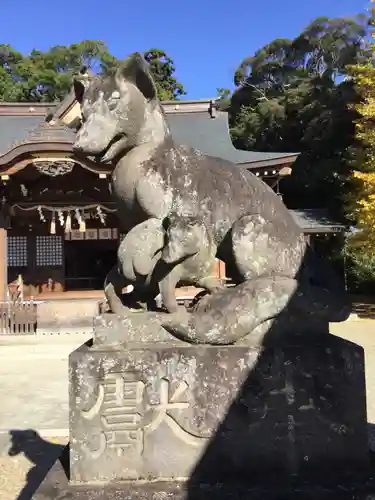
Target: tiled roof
211,136
42,137
50,132
198,130
316,220
14,129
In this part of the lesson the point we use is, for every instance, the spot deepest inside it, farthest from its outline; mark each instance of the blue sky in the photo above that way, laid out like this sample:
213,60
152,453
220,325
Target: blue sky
207,40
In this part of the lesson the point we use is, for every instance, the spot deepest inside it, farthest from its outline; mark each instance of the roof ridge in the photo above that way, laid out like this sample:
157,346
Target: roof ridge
40,134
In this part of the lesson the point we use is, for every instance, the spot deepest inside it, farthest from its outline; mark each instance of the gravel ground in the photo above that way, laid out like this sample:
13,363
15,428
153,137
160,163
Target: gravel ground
19,476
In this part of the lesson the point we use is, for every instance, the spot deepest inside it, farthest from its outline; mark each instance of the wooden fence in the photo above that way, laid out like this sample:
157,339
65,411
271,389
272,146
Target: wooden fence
364,311
18,318
363,306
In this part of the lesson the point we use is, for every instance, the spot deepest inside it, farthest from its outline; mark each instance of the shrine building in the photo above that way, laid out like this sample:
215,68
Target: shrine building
59,228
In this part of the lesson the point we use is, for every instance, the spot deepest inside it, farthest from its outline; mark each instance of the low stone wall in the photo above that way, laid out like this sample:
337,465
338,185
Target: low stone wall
65,316
77,314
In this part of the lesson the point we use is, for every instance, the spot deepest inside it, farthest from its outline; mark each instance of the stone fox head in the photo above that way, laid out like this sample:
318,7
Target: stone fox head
185,237
119,112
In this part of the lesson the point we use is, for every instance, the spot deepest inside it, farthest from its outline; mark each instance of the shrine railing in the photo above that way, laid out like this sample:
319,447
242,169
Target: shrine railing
18,318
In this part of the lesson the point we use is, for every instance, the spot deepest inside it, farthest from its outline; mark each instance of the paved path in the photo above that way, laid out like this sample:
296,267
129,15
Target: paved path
33,395
34,385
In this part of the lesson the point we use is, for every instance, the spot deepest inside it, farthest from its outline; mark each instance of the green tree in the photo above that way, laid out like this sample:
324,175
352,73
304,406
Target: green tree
223,98
47,76
10,86
292,96
223,93
360,198
163,69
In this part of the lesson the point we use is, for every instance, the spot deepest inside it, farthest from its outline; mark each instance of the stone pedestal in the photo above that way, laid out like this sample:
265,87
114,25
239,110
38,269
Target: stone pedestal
153,418
203,414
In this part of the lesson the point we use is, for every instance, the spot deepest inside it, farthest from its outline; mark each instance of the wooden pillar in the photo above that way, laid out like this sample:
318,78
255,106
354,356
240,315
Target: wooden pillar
219,271
222,274
3,264
307,238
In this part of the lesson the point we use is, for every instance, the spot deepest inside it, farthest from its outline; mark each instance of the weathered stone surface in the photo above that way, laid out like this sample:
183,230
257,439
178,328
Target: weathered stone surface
65,315
216,414
56,487
121,330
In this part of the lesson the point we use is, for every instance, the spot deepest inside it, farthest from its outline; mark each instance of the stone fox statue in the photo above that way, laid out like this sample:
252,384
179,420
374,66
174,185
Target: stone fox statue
191,253
123,123
161,254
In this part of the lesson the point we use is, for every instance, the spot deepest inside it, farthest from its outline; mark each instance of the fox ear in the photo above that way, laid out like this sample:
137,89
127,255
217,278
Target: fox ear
80,83
79,89
135,69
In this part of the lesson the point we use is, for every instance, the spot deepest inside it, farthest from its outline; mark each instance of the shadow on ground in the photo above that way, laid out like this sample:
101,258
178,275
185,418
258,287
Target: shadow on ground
41,453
